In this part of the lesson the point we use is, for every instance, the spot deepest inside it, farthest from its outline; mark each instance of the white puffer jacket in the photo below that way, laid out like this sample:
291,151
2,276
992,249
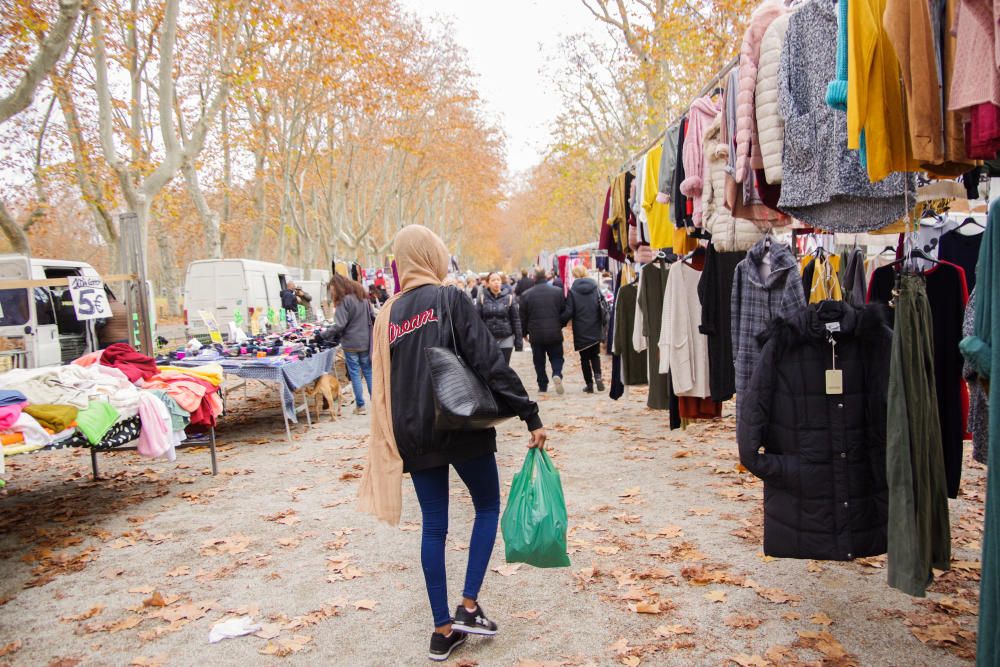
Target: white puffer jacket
770,124
728,233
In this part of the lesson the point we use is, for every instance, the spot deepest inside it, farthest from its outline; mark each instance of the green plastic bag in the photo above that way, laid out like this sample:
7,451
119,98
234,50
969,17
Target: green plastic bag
534,523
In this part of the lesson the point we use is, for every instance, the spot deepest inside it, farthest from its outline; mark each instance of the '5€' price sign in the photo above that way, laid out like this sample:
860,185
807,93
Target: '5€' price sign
89,299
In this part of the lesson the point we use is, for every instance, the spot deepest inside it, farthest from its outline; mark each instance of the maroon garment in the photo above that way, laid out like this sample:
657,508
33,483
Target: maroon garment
769,194
134,365
607,239
982,132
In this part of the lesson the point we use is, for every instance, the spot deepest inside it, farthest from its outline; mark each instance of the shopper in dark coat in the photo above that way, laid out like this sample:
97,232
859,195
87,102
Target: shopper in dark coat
524,284
541,311
587,309
824,453
498,308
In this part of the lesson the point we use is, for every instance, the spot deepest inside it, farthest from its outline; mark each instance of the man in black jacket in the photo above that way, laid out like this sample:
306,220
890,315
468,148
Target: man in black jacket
524,284
541,310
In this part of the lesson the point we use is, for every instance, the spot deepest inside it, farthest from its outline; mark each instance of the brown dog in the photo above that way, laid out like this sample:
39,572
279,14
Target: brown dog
326,388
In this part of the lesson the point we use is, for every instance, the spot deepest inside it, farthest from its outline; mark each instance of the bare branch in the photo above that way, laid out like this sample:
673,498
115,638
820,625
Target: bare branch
51,50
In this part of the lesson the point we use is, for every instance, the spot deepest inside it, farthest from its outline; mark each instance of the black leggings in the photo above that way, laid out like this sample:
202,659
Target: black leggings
590,359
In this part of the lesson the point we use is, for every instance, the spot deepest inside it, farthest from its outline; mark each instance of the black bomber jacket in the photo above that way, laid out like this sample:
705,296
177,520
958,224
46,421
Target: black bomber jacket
417,324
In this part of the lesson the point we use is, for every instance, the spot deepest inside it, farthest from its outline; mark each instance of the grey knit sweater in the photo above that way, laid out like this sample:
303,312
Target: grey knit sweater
824,183
758,299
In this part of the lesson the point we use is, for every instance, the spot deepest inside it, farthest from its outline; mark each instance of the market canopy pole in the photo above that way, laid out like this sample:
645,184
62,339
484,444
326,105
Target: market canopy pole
137,295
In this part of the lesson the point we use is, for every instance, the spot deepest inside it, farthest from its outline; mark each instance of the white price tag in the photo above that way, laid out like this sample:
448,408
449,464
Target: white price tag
89,298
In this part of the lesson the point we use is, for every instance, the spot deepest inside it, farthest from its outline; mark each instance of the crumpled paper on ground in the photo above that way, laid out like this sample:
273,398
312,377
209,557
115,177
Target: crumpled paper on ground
234,627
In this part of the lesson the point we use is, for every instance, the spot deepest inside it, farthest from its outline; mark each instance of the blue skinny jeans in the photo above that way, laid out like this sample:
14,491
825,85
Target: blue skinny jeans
358,364
483,481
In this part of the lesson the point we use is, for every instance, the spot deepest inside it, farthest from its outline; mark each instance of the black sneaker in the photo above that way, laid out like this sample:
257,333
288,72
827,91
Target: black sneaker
473,622
589,389
441,646
600,384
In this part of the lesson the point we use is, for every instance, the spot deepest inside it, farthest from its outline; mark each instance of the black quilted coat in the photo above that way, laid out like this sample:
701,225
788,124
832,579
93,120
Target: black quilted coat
501,315
584,308
821,456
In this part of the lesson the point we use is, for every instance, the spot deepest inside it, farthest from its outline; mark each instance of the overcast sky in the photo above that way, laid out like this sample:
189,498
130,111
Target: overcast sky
508,44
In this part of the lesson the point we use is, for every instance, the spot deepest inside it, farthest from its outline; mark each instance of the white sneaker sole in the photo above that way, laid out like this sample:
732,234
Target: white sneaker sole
559,385
473,631
441,658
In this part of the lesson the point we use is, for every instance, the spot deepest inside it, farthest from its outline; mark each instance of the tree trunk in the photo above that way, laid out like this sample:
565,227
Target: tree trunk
209,218
15,235
168,273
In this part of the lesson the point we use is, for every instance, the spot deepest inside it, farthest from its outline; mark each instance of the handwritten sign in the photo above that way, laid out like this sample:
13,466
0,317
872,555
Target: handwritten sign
212,324
89,299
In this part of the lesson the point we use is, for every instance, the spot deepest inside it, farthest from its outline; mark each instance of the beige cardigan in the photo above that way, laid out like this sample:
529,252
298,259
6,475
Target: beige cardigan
683,348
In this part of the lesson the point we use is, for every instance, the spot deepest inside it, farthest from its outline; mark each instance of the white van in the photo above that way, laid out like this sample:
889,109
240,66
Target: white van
45,325
224,286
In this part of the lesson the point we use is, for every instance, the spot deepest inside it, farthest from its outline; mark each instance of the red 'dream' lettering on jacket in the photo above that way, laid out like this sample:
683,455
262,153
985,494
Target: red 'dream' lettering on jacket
397,331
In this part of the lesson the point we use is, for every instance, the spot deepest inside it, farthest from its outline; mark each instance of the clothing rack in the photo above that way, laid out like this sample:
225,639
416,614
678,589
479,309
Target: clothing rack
713,82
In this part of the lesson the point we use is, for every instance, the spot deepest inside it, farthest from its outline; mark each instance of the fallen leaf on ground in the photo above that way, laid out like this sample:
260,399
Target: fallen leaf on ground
620,647
232,545
90,613
508,570
747,621
945,633
715,596
268,631
156,600
777,595
630,493
744,660
143,661
286,647
821,619
825,643
700,511
647,608
365,605
671,630
181,571
527,615
12,647
670,531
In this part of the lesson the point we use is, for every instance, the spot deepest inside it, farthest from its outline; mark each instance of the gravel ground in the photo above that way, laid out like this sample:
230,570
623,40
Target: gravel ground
665,542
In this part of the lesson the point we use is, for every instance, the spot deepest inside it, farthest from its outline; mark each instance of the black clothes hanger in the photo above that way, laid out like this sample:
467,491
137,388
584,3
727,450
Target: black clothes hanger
970,221
700,233
916,253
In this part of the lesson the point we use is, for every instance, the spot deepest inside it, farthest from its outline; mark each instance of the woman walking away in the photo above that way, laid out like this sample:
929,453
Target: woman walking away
403,437
587,308
498,308
352,323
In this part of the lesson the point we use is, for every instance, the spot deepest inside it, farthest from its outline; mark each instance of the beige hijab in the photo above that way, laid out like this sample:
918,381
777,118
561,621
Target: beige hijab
421,259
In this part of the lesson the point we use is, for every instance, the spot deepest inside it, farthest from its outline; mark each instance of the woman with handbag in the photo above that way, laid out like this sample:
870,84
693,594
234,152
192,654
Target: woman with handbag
418,425
497,305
